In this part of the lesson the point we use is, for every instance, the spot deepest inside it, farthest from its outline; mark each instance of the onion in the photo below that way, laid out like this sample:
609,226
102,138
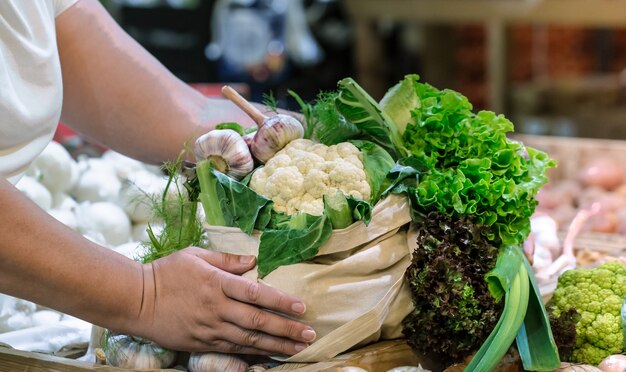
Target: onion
603,172
613,363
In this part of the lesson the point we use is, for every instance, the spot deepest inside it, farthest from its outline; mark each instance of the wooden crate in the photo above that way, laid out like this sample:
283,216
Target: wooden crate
377,357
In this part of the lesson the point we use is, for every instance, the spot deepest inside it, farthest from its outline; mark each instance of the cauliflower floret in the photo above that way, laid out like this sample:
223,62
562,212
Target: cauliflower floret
306,161
596,294
349,178
316,183
299,175
278,161
346,149
284,184
307,204
258,180
355,160
319,149
300,144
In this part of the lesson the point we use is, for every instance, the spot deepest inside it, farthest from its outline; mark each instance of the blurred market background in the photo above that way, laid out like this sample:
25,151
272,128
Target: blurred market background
555,69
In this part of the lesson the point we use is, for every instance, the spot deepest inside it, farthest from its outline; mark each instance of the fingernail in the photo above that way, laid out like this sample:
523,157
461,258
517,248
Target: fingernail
246,260
300,347
308,334
298,308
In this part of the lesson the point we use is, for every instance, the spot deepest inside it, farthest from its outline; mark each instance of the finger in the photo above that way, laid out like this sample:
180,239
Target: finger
254,318
228,262
260,340
232,348
253,292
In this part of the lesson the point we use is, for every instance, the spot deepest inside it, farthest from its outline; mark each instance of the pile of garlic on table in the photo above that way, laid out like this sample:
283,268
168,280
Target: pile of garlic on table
107,199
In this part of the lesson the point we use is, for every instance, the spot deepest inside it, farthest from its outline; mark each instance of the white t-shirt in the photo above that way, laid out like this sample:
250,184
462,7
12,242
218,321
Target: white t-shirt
31,87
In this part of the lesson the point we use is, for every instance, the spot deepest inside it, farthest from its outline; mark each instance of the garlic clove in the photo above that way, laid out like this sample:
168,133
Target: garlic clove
136,353
227,150
275,134
216,362
249,137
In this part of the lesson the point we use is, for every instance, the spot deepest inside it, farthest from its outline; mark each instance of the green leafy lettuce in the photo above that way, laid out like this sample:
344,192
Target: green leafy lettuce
472,167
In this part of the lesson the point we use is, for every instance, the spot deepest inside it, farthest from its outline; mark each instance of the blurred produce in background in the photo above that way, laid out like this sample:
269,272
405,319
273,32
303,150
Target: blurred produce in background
558,78
270,45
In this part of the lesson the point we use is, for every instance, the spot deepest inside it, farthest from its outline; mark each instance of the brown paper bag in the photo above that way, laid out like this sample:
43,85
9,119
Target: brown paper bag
354,289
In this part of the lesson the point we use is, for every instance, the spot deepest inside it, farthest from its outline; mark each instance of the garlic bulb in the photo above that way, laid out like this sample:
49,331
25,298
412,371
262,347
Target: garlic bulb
274,132
137,353
227,151
215,362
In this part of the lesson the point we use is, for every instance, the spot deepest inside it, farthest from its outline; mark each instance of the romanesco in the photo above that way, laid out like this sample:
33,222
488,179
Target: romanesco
597,295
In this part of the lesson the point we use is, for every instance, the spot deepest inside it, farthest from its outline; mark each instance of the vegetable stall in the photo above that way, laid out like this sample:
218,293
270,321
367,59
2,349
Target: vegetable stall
406,219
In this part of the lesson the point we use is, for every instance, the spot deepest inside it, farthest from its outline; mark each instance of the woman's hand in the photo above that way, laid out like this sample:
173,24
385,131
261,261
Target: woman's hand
195,300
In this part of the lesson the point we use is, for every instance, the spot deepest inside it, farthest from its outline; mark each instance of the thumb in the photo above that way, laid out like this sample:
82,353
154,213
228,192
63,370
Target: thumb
231,263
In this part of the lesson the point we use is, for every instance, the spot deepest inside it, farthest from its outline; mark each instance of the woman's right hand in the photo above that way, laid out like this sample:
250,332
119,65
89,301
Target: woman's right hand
196,300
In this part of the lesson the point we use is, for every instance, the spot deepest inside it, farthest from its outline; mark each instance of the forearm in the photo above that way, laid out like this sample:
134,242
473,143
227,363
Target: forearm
43,261
118,94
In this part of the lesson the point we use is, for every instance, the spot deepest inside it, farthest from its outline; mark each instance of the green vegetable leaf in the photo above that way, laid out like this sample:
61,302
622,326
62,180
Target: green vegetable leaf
231,125
305,109
513,283
377,163
270,101
472,167
535,343
299,241
400,100
361,210
227,202
361,110
338,210
327,125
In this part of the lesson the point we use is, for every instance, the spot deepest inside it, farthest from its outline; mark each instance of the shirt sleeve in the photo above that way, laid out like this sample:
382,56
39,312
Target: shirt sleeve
61,5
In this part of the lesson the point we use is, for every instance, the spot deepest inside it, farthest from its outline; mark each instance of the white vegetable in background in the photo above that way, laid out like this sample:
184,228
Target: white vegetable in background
63,201
55,168
18,321
97,185
35,191
106,218
10,307
137,193
48,338
299,175
140,233
123,166
96,237
86,163
64,216
45,317
547,245
131,250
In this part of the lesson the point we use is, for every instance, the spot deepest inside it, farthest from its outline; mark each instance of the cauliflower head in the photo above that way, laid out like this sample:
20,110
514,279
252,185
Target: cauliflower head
597,295
300,174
